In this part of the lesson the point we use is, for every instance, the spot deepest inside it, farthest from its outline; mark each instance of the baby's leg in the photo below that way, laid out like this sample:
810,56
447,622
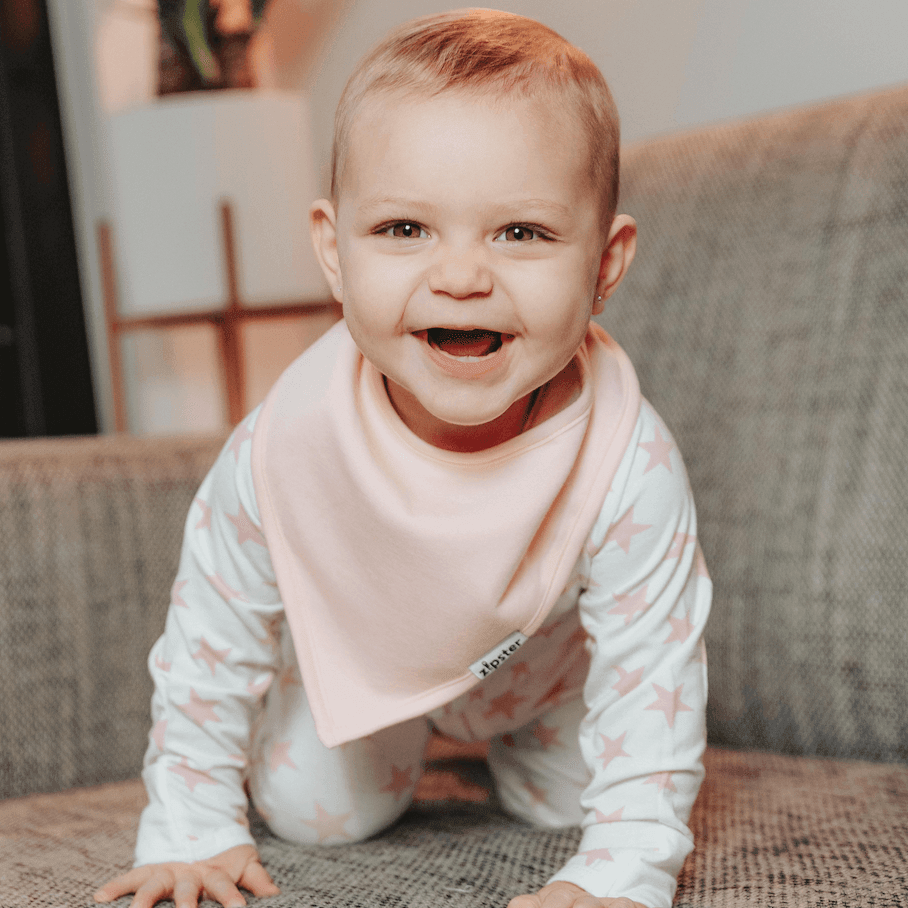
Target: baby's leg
309,793
539,771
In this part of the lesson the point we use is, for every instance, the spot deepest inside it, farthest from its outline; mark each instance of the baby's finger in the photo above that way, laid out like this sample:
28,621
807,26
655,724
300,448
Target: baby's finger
525,901
186,892
257,880
590,901
121,885
221,888
559,897
155,889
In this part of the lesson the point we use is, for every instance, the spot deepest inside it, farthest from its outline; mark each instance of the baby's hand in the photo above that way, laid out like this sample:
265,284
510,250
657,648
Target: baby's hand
566,895
217,878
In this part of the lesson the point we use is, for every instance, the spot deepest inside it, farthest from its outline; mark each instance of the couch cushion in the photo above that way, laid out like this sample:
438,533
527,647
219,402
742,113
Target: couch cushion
767,314
91,532
770,830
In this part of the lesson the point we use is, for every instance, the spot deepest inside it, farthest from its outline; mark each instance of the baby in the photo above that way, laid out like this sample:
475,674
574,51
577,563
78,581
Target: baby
453,512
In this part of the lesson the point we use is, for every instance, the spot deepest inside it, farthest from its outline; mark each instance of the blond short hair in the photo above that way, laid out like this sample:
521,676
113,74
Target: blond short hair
490,53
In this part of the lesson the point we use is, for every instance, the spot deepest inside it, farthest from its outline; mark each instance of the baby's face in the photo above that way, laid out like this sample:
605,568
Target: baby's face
469,243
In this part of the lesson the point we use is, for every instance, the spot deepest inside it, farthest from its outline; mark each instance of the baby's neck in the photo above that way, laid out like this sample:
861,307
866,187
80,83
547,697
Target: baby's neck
470,439
556,395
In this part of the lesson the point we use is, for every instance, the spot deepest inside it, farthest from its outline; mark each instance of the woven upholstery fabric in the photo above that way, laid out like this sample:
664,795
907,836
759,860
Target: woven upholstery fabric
767,316
771,831
91,531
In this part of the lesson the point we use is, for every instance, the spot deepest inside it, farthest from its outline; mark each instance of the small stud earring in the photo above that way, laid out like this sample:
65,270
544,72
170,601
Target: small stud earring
598,299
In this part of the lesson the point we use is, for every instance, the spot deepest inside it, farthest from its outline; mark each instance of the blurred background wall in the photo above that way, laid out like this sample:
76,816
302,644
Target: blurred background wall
672,65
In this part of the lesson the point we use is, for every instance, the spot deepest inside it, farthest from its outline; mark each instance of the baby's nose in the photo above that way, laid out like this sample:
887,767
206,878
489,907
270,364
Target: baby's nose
461,272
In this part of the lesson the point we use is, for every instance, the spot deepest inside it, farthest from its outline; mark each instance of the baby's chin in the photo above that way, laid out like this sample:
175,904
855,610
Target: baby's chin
467,429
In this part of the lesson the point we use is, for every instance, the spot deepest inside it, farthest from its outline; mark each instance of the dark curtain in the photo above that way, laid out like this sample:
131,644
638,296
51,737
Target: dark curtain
45,376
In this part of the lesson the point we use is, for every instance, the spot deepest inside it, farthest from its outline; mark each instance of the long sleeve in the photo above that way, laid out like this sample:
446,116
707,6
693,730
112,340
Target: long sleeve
644,605
211,668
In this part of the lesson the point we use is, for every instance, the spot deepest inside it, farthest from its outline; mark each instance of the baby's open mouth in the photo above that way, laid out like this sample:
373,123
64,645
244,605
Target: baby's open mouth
475,342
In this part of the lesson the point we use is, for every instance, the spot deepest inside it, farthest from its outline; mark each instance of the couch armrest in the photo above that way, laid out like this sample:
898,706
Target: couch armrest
91,531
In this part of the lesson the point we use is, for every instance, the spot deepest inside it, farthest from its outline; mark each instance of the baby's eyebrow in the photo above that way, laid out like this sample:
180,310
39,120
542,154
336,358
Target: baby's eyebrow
519,209
399,204
511,210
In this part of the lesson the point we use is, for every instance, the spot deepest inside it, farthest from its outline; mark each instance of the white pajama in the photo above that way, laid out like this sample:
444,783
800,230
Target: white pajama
597,720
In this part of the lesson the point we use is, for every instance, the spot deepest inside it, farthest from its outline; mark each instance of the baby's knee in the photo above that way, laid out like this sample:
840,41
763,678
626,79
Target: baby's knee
538,805
541,787
323,826
331,817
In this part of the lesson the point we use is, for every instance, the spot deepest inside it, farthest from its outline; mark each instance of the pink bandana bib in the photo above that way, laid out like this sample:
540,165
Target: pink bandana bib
402,565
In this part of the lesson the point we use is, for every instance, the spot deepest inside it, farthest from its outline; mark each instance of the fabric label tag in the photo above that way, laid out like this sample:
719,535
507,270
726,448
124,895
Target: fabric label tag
495,658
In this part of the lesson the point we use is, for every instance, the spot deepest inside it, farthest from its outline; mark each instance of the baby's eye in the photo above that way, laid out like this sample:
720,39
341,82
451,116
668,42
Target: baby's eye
406,230
520,233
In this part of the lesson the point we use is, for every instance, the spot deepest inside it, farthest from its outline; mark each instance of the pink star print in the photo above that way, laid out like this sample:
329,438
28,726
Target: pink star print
624,531
553,694
669,702
280,756
611,748
209,655
578,638
401,781
161,664
240,435
701,564
272,625
520,670
246,530
546,736
157,733
505,704
678,544
627,681
629,604
476,694
224,588
613,817
288,678
176,593
663,780
658,450
329,825
199,710
257,688
597,854
191,776
205,520
682,628
547,631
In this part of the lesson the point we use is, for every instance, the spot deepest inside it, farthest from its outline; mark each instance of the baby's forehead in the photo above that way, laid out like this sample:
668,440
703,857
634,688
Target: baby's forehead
554,114
549,119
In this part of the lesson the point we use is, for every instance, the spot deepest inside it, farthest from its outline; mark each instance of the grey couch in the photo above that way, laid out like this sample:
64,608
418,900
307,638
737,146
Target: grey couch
767,314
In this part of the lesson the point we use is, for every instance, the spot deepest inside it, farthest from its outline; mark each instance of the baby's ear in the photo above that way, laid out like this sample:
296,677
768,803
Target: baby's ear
617,256
323,227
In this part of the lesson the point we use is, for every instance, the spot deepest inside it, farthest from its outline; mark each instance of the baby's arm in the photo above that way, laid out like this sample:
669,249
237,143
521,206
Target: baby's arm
211,668
644,609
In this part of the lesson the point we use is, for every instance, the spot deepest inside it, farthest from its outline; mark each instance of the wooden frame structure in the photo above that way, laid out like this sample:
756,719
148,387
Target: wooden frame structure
228,322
